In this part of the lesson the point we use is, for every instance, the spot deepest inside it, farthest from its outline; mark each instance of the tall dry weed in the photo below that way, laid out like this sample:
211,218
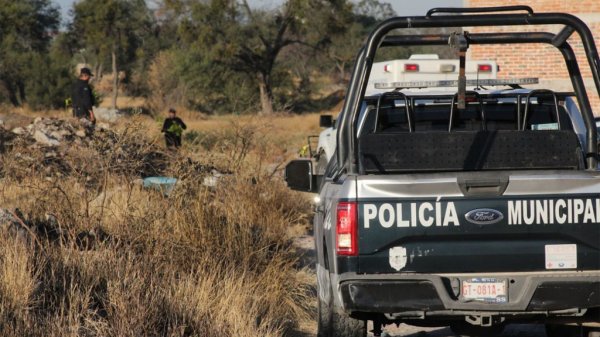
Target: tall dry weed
105,257
18,277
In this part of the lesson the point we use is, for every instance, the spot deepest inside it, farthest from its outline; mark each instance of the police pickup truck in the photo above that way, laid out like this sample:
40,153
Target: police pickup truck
470,209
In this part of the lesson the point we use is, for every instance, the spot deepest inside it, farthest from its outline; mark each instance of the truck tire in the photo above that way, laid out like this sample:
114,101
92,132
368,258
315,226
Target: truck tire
333,322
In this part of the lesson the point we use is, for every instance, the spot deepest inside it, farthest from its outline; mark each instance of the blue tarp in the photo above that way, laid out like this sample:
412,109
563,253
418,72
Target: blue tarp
162,184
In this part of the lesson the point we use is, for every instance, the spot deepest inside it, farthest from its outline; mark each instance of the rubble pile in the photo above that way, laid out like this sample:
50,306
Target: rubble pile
6,138
56,147
60,147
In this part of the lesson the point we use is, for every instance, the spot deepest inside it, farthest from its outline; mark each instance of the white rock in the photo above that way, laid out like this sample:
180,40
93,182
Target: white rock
102,126
19,131
44,139
80,133
213,179
56,135
105,114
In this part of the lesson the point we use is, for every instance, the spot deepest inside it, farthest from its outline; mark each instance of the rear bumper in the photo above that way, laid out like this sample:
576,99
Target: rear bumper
419,295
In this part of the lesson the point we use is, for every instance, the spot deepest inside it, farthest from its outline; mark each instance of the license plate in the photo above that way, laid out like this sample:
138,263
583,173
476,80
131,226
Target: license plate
490,290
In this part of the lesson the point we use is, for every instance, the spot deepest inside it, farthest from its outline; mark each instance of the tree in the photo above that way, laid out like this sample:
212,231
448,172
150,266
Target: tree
112,28
26,29
346,43
250,41
51,74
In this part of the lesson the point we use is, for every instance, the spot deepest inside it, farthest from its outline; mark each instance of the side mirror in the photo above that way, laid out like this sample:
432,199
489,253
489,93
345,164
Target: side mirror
299,177
326,121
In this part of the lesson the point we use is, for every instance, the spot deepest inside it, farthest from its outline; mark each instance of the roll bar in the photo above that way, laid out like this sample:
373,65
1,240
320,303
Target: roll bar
347,138
538,93
479,10
398,95
481,110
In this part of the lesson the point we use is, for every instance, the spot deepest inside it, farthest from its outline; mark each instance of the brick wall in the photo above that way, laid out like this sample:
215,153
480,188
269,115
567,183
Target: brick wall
543,61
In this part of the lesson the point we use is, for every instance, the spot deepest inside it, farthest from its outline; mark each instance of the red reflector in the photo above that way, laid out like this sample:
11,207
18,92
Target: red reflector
411,67
346,229
484,68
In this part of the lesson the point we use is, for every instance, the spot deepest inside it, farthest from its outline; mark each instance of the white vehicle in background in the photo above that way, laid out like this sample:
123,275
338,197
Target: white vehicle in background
326,143
418,67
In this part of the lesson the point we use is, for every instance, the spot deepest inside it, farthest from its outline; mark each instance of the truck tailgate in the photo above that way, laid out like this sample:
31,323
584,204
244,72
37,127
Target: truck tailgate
539,223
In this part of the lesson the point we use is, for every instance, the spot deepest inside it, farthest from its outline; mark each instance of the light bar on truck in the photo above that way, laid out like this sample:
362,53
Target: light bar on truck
454,83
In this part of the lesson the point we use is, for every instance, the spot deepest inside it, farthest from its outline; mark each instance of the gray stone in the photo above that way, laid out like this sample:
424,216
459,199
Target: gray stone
106,114
44,139
213,179
5,217
102,126
19,131
56,135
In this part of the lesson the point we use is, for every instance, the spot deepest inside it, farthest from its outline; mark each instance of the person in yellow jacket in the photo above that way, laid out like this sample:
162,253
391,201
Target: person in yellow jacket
173,128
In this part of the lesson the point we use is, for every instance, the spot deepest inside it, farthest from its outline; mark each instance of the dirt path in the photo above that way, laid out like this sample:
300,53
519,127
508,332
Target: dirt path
305,247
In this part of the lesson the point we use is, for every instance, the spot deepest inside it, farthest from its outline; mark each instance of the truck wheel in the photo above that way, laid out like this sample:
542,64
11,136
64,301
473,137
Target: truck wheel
324,324
557,330
333,322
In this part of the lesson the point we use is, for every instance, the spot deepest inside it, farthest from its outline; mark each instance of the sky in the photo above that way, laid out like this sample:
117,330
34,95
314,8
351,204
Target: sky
402,7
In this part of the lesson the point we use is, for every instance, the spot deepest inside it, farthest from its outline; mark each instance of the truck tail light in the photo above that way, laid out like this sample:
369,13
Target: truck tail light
411,67
484,68
387,68
347,229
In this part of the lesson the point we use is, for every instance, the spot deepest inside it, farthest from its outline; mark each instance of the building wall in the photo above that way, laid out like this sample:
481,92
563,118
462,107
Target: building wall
543,61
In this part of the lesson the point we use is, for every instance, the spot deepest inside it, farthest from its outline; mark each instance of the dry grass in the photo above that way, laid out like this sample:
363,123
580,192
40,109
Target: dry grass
112,259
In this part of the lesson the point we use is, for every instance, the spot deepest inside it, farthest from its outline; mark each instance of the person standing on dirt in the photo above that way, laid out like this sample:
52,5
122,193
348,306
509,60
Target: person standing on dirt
83,97
173,128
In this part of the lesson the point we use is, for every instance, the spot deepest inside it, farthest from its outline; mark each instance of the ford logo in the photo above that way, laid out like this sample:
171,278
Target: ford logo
484,216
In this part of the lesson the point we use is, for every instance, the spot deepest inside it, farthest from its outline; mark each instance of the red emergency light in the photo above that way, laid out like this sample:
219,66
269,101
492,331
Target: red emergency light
411,67
484,68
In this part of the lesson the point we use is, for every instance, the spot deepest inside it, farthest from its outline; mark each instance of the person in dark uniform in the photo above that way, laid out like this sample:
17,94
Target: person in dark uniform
83,97
173,128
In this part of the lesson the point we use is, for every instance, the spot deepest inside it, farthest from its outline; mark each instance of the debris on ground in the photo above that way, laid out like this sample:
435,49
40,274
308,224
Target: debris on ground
165,185
212,179
58,147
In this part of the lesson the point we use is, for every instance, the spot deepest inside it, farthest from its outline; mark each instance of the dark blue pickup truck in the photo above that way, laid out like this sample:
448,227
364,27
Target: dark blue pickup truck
461,203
